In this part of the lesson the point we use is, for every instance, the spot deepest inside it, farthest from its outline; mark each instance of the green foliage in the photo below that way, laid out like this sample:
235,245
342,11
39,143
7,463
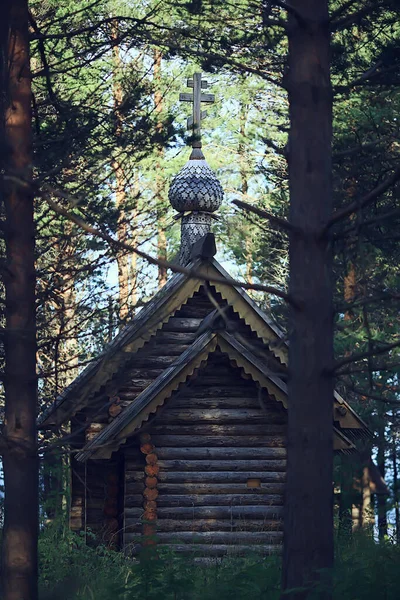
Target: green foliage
70,569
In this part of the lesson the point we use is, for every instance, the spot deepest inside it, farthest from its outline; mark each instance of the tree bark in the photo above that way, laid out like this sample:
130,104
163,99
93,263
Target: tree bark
308,521
160,200
381,463
120,185
20,460
395,482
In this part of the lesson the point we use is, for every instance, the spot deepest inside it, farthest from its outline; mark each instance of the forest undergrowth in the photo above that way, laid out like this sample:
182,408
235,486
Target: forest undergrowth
70,569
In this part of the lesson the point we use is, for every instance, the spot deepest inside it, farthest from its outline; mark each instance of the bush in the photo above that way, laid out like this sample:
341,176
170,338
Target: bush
72,570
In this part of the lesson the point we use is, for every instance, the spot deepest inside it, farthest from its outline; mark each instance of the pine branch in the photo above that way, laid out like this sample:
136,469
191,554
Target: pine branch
46,192
348,20
282,223
360,148
364,355
367,394
392,214
289,9
366,200
342,9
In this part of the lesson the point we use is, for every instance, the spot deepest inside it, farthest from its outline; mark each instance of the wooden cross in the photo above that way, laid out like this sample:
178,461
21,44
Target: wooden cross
197,98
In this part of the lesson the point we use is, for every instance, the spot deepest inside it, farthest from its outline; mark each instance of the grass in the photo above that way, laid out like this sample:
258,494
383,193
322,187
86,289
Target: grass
72,570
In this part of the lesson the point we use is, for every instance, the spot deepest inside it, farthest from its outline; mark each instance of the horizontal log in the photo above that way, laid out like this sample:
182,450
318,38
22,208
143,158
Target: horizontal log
172,349
193,513
195,311
221,453
221,537
220,512
211,476
219,500
215,402
133,386
143,374
133,500
226,378
216,488
212,550
208,428
153,362
135,524
133,488
191,441
223,465
216,391
134,466
215,415
180,324
133,513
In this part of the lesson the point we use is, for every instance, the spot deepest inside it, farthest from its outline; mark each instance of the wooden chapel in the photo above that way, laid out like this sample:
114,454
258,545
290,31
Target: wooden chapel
179,425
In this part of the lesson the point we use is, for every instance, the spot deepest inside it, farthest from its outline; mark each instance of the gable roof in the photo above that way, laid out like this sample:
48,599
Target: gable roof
133,417
177,291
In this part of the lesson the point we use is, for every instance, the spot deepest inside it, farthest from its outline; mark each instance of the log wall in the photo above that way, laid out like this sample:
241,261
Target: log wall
97,496
218,448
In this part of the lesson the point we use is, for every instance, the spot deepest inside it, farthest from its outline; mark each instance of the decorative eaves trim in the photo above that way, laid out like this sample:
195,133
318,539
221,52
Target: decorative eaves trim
150,399
178,290
248,310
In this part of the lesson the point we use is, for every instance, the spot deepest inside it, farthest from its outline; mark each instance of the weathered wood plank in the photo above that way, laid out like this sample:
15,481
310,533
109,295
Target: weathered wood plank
227,429
217,391
135,524
226,453
223,465
222,537
181,324
215,415
214,550
220,512
215,488
152,362
211,476
209,441
215,500
165,349
133,374
215,402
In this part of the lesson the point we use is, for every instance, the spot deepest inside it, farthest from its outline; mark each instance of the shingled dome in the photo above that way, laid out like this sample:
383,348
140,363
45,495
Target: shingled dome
196,188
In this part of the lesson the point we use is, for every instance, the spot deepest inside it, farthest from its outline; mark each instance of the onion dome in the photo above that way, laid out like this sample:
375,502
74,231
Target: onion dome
196,188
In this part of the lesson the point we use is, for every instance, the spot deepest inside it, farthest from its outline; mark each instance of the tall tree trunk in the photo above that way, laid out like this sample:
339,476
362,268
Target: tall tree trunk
244,189
120,184
160,198
395,481
19,569
308,520
381,498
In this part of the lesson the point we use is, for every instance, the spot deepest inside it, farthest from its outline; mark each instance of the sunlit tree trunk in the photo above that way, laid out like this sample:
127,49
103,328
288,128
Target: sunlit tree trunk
308,519
160,198
120,185
395,481
381,463
20,462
